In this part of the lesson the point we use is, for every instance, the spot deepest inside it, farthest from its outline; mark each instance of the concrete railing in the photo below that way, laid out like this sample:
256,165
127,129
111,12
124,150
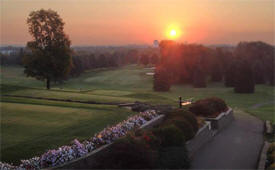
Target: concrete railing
221,121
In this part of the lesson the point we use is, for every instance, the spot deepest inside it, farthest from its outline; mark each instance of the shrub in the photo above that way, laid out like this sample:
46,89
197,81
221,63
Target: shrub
187,115
149,138
183,125
244,79
161,80
127,153
184,120
169,135
209,107
173,158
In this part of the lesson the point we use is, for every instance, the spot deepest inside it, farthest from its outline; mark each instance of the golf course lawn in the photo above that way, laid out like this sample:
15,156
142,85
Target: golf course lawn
30,129
31,126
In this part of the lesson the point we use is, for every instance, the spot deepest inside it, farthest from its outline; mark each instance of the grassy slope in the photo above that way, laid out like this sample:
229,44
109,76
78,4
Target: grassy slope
126,85
31,129
112,85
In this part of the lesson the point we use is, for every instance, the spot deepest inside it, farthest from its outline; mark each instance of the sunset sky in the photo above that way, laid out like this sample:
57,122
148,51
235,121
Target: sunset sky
121,22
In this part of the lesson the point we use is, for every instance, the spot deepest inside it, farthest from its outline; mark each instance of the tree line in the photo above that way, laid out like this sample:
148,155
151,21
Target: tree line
241,67
82,62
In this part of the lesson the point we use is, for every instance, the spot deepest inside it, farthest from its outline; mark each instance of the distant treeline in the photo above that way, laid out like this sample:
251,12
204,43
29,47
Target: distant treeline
242,66
91,58
84,61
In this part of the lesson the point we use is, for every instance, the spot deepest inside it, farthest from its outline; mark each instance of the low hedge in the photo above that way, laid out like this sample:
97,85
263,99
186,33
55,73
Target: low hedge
209,107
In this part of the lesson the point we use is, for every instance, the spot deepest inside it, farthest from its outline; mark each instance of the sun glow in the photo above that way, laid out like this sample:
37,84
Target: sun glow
173,32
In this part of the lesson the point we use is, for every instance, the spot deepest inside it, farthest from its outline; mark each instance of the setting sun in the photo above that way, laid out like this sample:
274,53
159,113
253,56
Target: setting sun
173,33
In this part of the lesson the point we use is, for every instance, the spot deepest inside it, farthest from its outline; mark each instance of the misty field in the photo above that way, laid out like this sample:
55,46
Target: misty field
41,124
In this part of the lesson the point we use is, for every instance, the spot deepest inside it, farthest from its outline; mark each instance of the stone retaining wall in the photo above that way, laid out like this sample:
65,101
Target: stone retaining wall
204,135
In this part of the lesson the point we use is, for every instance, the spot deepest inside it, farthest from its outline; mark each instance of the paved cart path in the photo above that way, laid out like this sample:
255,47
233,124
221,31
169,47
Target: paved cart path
236,147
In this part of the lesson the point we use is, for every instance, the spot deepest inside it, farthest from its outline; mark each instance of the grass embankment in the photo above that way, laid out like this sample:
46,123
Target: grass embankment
31,129
127,84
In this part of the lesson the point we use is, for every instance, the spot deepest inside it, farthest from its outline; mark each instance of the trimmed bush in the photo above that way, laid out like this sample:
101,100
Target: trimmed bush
169,135
173,158
184,120
209,107
183,125
149,138
187,115
127,153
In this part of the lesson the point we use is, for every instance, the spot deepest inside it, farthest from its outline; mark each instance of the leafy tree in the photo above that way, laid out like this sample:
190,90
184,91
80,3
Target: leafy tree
50,57
133,56
199,78
259,73
154,59
229,79
216,73
244,78
144,59
255,53
102,61
161,80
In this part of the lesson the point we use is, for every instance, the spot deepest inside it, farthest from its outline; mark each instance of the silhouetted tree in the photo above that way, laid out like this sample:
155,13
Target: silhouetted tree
50,57
255,53
101,61
230,73
132,56
154,59
161,80
259,73
244,79
144,59
199,78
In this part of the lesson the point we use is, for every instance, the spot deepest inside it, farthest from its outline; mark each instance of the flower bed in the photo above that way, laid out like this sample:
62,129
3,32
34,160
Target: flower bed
78,149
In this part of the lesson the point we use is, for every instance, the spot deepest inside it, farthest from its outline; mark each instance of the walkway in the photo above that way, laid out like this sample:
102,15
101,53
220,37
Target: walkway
236,147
